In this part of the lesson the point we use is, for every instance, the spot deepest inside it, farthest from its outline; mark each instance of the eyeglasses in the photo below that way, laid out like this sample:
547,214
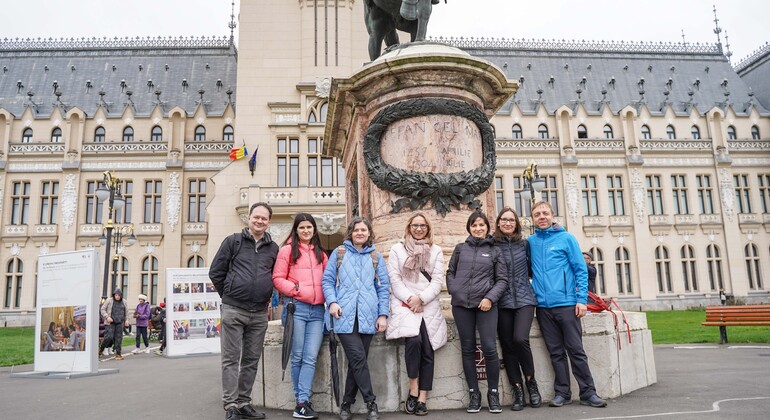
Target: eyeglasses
417,226
507,221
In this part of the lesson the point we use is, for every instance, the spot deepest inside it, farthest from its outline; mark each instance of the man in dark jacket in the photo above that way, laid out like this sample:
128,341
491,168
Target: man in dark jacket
591,272
115,314
242,273
560,281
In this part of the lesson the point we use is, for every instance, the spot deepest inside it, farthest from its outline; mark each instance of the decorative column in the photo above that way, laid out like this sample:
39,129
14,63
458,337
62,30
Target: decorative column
412,129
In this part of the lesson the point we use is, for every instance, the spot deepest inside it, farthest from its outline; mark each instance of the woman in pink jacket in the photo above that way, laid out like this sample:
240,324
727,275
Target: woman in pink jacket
297,275
416,269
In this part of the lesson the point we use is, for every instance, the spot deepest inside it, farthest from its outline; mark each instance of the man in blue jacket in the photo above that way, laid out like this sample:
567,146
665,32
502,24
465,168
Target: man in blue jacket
560,281
242,273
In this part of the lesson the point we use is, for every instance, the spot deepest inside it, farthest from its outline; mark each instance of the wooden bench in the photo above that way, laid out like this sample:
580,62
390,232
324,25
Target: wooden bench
736,316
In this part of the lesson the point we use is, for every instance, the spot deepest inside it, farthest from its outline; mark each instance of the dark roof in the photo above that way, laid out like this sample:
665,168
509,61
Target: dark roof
552,72
142,66
755,72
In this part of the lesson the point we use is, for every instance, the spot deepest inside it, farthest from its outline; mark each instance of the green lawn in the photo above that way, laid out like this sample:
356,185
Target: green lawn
684,327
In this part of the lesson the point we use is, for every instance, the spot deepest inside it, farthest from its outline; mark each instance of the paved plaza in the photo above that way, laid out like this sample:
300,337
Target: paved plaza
694,382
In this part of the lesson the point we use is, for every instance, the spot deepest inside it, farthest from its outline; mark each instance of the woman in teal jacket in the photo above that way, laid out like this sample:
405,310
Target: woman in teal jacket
357,295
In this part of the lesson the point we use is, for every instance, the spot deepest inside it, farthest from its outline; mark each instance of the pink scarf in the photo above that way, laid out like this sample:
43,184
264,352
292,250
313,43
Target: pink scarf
418,256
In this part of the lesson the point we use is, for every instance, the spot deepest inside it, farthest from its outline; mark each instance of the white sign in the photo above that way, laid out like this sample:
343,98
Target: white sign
192,312
67,327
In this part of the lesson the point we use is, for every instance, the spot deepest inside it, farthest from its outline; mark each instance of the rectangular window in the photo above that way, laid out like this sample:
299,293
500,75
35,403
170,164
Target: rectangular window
499,193
281,145
590,195
742,199
312,146
293,145
153,190
196,200
93,206
49,202
705,194
340,174
293,171
615,195
551,192
20,203
327,170
654,194
679,194
281,172
124,215
764,191
8,291
312,171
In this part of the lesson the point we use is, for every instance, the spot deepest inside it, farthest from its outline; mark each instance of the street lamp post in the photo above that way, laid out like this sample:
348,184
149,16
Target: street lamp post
119,233
533,186
109,193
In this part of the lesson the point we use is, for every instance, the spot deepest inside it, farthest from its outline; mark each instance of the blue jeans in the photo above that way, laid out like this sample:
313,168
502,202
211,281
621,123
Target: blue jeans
305,344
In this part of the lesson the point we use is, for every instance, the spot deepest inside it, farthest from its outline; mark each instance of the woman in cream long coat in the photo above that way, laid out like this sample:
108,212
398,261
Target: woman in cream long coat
416,269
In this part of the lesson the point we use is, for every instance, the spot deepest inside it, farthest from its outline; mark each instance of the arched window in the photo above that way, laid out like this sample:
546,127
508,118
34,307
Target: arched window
542,131
516,131
689,272
670,132
120,274
695,131
623,270
128,134
646,134
99,134
714,263
200,133
582,132
228,134
598,259
150,279
608,134
13,278
196,261
755,132
156,134
324,111
26,135
753,269
663,269
56,135
731,135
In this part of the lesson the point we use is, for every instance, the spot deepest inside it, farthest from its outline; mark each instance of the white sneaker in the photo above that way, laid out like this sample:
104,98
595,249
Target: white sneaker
147,350
135,351
106,352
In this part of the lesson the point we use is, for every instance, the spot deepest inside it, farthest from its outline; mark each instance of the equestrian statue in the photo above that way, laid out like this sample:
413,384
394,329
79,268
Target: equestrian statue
384,17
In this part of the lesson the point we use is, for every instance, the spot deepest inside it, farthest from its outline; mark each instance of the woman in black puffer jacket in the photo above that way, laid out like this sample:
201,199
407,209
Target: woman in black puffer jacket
516,309
476,279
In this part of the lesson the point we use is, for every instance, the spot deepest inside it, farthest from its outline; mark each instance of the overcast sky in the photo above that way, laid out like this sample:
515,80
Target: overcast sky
745,21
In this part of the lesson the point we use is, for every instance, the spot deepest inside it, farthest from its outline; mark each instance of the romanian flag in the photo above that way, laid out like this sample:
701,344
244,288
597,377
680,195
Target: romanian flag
239,153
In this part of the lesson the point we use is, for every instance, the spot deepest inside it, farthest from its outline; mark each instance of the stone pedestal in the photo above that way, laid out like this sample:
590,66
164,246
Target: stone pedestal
412,130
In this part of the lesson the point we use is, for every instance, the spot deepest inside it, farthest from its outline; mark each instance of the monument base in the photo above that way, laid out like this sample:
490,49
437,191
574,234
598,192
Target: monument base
618,367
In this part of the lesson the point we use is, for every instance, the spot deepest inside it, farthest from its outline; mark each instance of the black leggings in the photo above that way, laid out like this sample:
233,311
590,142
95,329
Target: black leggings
513,327
467,322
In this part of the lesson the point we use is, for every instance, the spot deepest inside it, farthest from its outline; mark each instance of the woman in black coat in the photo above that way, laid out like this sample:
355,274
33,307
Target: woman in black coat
516,309
476,279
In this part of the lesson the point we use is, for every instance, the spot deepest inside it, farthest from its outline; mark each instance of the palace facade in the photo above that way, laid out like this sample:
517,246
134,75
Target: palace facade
656,156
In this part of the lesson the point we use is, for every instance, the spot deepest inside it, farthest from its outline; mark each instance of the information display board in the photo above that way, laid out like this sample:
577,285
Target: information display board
67,318
192,312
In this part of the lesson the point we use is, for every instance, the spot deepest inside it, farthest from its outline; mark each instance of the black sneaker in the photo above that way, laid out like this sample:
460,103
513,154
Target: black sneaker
410,405
421,410
248,412
372,411
232,414
474,406
559,401
304,410
493,398
345,413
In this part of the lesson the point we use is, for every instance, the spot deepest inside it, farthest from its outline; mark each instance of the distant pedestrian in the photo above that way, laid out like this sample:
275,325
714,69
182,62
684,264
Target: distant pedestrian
115,313
242,273
591,272
142,316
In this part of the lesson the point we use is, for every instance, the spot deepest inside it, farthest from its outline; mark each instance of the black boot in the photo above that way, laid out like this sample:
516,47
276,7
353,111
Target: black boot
518,398
534,394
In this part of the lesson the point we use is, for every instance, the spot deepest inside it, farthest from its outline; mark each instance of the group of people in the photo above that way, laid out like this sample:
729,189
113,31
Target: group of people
354,292
57,338
114,315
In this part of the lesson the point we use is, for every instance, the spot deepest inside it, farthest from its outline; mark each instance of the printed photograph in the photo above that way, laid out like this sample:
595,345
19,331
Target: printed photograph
181,329
204,328
63,328
182,307
179,288
197,288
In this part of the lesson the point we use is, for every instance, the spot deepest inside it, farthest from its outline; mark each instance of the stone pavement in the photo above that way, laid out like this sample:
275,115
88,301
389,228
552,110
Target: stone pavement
696,382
